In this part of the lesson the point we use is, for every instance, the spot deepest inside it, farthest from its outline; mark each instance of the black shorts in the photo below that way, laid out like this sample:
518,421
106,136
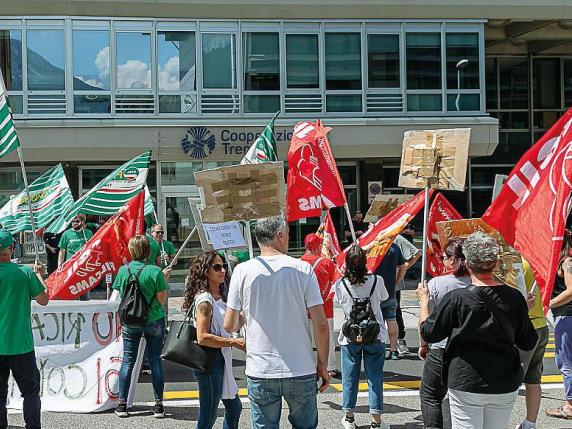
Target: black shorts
532,360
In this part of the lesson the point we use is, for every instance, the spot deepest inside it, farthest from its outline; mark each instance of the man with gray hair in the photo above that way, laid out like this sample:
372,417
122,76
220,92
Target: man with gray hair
275,292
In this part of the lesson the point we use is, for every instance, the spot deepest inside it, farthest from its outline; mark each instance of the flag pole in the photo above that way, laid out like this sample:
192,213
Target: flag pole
182,247
425,221
249,240
32,221
351,223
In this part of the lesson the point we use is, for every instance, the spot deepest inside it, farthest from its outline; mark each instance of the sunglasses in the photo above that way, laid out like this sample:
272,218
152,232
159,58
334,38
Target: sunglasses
443,257
219,267
76,221
159,232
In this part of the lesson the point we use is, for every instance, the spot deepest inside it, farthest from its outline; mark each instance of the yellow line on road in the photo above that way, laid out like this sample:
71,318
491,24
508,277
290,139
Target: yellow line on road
549,354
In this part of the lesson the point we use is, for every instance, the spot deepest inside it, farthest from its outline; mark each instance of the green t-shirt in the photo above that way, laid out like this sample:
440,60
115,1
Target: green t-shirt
169,249
19,285
151,280
72,241
155,249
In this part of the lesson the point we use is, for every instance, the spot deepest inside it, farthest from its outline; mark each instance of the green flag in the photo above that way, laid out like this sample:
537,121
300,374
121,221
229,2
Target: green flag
149,207
264,148
109,194
51,196
8,136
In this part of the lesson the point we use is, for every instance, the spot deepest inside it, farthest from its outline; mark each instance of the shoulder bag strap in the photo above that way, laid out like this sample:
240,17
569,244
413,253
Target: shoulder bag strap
316,262
502,319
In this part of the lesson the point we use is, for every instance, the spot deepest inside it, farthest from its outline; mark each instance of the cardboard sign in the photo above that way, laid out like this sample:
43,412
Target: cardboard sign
225,235
242,192
384,204
205,244
435,156
500,180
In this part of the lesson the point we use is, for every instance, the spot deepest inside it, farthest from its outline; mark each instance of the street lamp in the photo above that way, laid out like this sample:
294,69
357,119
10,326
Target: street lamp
460,65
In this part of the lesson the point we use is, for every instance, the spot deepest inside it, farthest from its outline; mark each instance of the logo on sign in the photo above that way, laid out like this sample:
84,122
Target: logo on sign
198,142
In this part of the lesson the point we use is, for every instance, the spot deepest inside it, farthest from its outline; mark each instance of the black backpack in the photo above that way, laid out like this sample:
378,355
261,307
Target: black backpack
361,326
134,308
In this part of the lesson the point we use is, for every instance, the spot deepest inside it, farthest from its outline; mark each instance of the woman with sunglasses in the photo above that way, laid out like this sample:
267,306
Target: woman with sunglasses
205,302
433,391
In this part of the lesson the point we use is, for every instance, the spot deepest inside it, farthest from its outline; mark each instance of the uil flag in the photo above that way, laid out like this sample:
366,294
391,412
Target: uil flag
51,196
330,245
313,180
103,254
264,148
441,210
110,194
532,207
8,137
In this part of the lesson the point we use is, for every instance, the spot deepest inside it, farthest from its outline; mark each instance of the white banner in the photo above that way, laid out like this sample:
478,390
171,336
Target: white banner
225,235
79,352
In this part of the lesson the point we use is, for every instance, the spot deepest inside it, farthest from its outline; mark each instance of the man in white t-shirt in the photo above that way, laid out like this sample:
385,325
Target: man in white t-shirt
276,292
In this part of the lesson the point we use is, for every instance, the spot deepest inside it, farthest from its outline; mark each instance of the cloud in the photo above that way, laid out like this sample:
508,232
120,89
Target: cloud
169,75
102,62
134,74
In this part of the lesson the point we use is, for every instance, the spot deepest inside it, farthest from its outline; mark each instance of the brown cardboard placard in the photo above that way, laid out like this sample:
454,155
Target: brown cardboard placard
383,204
242,192
437,156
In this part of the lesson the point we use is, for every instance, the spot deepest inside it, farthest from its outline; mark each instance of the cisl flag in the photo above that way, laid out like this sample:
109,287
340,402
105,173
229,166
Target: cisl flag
313,181
531,210
327,232
103,254
441,210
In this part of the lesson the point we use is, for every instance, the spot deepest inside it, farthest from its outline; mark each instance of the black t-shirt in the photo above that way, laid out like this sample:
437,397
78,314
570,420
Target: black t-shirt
563,310
481,357
387,268
358,227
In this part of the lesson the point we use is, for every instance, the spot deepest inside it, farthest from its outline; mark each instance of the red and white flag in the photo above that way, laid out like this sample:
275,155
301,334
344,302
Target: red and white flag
441,210
103,254
313,181
330,244
531,210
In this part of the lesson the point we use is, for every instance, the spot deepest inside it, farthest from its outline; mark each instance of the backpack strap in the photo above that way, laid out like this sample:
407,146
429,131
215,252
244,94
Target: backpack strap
316,262
347,288
373,286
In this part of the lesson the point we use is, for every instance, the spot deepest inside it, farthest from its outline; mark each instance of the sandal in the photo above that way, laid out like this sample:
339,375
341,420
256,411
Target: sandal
558,413
335,373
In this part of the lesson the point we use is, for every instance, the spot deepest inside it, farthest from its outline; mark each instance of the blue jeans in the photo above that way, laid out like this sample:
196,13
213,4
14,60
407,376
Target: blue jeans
266,395
563,340
210,393
373,361
27,377
154,332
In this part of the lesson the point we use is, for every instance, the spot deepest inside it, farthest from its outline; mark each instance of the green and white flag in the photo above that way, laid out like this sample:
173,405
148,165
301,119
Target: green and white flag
51,196
264,148
110,194
8,136
149,206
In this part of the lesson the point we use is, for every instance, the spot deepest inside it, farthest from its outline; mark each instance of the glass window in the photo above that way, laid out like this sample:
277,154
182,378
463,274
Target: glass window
11,58
302,66
176,53
513,120
513,74
481,201
383,60
261,103
544,120
46,60
424,102
343,103
423,60
511,147
179,173
343,61
92,103
467,102
261,62
567,82
462,46
546,83
491,83
133,60
91,60
218,61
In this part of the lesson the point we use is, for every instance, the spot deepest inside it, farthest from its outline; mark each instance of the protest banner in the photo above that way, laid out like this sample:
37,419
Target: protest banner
384,204
225,235
327,232
29,247
79,353
500,180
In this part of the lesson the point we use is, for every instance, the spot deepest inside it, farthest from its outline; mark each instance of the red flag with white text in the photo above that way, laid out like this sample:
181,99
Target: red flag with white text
313,181
441,210
103,254
531,210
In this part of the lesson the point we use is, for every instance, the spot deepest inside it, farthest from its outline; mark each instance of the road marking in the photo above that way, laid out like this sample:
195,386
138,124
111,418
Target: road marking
549,355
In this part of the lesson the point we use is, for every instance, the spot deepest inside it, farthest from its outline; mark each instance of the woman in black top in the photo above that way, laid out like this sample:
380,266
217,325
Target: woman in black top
484,323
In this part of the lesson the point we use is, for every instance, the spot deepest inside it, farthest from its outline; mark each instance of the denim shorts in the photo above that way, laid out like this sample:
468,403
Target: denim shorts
389,309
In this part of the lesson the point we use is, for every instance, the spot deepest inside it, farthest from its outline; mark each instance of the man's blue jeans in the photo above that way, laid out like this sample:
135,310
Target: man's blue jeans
25,372
154,333
266,401
373,360
563,340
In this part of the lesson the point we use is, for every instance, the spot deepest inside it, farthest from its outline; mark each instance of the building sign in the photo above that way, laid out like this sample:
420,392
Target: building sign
201,142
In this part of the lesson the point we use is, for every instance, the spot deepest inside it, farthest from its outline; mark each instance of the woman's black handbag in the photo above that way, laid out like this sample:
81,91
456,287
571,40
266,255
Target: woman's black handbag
181,347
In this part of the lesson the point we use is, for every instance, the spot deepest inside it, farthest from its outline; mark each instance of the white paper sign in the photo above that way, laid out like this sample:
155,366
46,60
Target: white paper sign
28,244
224,235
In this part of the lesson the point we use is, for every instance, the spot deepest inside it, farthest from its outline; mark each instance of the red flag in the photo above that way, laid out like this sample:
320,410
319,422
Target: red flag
378,238
330,245
103,254
531,210
313,181
441,210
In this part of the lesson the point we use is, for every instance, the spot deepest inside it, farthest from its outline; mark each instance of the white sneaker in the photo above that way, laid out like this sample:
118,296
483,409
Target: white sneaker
381,425
402,348
348,424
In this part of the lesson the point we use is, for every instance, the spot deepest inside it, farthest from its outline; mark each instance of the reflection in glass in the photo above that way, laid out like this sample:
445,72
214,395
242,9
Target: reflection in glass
302,67
343,103
383,60
92,103
133,60
424,102
261,62
343,61
261,103
46,60
463,46
491,83
91,60
513,74
176,52
218,61
179,173
11,58
546,83
423,61
467,102
16,103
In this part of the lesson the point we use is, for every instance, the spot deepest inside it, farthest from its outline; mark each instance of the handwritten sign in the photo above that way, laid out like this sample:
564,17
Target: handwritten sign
225,235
